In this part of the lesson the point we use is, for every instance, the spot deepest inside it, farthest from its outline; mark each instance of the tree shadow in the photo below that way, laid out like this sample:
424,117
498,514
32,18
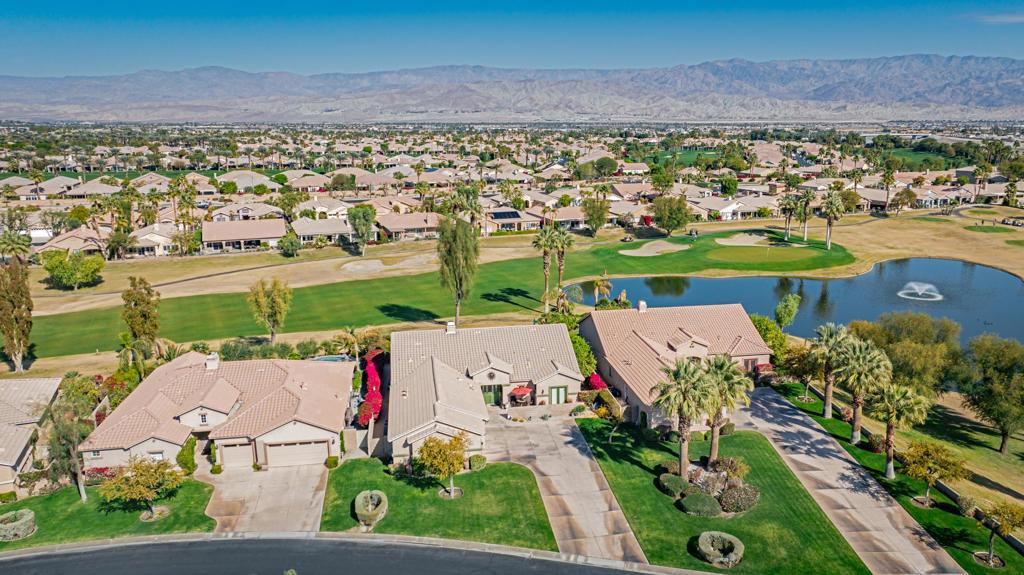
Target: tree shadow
502,297
406,313
691,547
519,293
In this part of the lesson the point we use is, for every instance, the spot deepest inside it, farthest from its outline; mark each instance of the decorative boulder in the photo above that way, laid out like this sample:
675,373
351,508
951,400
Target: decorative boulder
720,549
371,506
17,525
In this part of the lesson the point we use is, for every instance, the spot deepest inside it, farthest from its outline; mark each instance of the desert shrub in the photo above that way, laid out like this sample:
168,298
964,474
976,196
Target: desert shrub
201,347
712,483
701,505
577,410
727,429
187,456
586,396
307,348
846,414
670,466
672,436
738,499
331,462
690,490
477,462
967,505
874,443
672,485
607,400
216,469
8,497
733,467
650,435
257,467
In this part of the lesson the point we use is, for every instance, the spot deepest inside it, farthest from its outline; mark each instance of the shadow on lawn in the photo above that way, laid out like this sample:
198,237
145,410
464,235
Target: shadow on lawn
506,295
406,313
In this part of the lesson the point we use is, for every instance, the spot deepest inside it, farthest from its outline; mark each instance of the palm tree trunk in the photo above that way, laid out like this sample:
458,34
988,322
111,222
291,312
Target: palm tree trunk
890,469
547,279
561,267
789,222
684,451
716,433
805,226
830,380
458,309
857,409
828,234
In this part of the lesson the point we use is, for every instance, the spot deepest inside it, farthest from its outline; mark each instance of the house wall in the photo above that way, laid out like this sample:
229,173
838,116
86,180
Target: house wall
295,431
120,457
403,450
557,380
7,476
193,419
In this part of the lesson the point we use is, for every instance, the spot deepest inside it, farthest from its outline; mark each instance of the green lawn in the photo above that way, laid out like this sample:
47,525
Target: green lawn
506,286
982,212
959,535
785,533
1018,243
62,518
501,505
990,229
932,219
912,159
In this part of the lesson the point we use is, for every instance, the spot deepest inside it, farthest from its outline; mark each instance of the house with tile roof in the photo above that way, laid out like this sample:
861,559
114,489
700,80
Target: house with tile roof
443,382
22,404
273,412
633,346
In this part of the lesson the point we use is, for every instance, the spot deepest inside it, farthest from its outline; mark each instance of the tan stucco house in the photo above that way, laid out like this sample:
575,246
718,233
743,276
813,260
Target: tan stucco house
443,381
22,404
633,346
272,412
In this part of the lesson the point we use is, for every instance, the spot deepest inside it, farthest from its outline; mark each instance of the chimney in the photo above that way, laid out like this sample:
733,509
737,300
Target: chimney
641,306
449,328
212,361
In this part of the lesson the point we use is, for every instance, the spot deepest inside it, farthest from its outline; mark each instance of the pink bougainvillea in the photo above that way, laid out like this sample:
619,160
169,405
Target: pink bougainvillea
596,383
374,400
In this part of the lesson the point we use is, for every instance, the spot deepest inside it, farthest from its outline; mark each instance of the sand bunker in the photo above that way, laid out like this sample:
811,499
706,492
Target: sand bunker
744,239
367,267
655,248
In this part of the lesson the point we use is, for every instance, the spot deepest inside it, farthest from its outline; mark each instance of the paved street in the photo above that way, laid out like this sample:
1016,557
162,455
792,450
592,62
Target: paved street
583,511
886,537
280,499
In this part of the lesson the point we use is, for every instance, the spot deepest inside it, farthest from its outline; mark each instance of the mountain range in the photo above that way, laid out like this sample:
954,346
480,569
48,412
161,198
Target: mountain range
913,87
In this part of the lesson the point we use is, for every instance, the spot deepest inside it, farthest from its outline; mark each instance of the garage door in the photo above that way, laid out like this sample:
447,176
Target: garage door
234,456
296,453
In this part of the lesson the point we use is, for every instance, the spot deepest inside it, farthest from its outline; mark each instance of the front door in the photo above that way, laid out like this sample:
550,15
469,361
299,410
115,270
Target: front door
558,395
492,394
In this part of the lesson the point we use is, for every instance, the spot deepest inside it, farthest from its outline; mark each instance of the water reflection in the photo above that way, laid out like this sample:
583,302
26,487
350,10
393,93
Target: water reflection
667,285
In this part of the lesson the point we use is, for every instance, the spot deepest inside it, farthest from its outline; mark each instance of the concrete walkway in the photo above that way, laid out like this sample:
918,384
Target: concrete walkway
278,499
584,514
883,534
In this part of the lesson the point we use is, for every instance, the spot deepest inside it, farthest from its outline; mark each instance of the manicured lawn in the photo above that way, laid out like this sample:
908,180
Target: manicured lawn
982,212
785,533
990,229
501,505
959,535
1018,243
61,517
501,287
933,219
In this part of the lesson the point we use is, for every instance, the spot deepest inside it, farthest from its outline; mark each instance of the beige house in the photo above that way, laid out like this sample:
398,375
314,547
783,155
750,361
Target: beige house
272,412
242,235
443,381
22,403
409,226
633,346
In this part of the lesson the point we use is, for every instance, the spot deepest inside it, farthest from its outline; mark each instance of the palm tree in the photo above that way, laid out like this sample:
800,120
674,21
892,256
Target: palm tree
602,287
827,348
862,368
545,242
805,212
888,181
832,208
132,352
563,241
728,388
789,205
14,244
898,405
682,395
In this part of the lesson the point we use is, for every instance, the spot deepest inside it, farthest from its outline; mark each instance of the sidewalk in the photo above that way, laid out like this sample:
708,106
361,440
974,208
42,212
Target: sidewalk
883,534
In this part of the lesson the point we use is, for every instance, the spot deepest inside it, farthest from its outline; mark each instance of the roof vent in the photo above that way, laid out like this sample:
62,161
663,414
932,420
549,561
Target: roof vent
449,328
405,393
212,361
641,306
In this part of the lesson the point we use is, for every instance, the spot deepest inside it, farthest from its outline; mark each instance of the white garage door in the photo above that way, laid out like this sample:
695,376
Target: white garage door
234,456
296,453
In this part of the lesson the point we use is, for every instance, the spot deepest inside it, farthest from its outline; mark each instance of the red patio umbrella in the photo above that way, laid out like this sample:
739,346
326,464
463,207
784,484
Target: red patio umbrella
522,390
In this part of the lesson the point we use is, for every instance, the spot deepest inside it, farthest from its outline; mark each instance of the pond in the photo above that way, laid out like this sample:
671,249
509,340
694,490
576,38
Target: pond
980,298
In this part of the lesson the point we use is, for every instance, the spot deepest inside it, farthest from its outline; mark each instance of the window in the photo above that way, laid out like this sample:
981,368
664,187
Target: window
202,418
156,455
749,364
95,453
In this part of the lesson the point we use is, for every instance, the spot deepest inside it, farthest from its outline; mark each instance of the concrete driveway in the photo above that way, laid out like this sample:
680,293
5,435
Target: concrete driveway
280,499
584,514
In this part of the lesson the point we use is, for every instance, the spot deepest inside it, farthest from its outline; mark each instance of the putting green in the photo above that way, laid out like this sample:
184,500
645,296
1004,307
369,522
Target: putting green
754,254
990,229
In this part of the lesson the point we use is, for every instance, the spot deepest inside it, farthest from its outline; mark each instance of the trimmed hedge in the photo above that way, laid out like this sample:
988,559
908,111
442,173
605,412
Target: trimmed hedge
608,400
8,497
670,466
477,462
331,462
186,458
727,429
701,505
216,469
672,485
739,499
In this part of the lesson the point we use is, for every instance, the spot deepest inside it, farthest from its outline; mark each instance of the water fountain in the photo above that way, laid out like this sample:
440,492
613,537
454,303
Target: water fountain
920,291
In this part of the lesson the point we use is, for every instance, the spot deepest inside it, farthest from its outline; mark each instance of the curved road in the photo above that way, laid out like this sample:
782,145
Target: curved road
275,556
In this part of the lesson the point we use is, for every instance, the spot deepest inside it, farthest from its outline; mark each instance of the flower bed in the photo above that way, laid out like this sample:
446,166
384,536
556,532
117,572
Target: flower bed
17,524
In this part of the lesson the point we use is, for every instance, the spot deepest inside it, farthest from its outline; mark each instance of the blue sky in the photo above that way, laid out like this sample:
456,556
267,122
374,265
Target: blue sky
59,37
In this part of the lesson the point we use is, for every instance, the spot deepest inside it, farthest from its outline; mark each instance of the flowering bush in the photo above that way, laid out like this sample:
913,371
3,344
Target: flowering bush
371,406
595,382
739,499
97,475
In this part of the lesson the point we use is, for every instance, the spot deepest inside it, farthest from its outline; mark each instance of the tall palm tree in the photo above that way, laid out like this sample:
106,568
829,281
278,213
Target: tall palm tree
805,213
602,286
563,242
789,205
14,244
545,243
862,368
898,405
681,395
888,181
728,387
827,348
832,208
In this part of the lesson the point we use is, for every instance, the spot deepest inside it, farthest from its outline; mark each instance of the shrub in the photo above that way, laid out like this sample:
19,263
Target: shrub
670,466
734,467
331,462
690,490
672,436
586,396
477,462
712,483
738,499
701,505
967,505
187,456
672,485
307,348
584,354
8,497
201,347
846,414
213,455
608,400
571,321
595,382
874,443
650,435
727,429
577,410
257,467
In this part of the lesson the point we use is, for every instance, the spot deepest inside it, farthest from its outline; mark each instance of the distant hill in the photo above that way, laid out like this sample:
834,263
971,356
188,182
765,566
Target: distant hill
899,87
